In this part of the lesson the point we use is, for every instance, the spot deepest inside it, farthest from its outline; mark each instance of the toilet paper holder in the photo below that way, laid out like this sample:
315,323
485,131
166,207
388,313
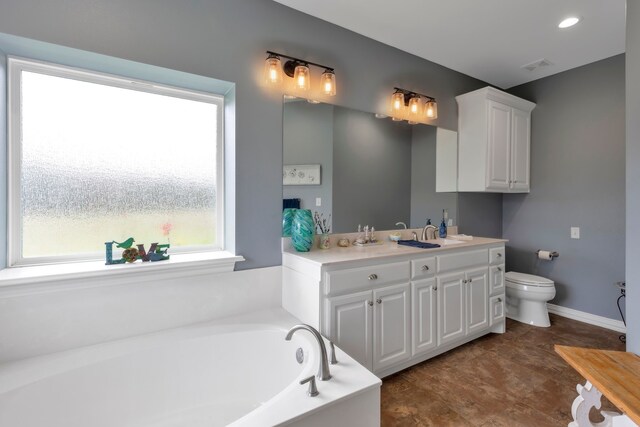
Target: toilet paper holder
554,254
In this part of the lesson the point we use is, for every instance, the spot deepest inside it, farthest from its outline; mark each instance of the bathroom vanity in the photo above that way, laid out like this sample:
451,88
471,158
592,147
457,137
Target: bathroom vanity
392,306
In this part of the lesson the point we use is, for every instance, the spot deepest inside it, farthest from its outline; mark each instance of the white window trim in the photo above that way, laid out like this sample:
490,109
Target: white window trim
15,67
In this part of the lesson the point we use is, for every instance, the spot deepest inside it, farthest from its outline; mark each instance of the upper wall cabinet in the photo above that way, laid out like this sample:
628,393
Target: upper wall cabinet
494,134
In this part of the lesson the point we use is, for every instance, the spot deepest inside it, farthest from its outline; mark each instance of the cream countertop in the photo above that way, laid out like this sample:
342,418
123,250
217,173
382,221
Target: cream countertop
336,254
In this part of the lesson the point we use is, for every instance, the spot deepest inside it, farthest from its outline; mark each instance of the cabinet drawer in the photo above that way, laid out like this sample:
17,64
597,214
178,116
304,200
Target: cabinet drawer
462,260
496,279
423,267
343,281
496,305
496,255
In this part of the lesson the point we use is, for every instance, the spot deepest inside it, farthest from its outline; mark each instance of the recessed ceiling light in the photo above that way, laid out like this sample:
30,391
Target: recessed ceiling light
569,22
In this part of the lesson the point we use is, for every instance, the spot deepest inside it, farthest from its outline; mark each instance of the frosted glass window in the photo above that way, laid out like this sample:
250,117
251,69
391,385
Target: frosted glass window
102,162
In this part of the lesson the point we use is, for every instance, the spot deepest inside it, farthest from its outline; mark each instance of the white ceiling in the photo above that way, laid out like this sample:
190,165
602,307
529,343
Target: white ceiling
490,39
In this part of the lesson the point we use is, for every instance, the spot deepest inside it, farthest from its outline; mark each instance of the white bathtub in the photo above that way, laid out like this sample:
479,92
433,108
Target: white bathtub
239,371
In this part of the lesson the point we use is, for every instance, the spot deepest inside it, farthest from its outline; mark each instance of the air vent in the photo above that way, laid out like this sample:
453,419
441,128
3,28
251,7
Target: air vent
537,64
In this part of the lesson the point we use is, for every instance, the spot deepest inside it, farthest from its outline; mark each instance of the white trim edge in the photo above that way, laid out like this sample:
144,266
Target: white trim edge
592,319
22,281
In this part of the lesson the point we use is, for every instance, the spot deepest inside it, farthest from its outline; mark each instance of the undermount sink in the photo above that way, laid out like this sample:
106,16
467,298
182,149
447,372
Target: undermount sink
442,242
448,242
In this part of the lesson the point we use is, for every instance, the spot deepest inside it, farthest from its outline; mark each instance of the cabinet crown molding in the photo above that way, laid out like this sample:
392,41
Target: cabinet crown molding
497,95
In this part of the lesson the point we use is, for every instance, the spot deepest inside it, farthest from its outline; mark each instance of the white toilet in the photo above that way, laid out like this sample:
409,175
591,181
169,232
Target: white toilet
527,297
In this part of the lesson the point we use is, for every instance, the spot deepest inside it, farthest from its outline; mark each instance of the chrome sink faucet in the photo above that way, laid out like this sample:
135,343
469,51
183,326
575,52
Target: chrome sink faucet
402,224
429,232
323,368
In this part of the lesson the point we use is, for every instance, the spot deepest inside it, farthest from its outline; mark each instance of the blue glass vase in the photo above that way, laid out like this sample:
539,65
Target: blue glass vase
302,230
287,221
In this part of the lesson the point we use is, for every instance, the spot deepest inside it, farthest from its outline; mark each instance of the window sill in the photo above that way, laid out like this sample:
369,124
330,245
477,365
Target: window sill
41,278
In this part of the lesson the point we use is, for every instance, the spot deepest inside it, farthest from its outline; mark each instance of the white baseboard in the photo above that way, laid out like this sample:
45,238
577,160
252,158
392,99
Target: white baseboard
592,319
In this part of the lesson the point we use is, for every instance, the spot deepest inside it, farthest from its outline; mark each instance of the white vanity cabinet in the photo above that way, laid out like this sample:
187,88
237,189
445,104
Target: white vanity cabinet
496,289
494,135
373,326
463,304
390,312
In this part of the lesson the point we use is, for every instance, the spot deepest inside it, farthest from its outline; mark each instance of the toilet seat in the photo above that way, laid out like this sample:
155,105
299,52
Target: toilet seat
527,279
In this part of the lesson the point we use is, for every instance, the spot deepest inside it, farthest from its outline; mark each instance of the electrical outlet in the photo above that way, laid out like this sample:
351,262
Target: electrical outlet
450,224
318,201
575,232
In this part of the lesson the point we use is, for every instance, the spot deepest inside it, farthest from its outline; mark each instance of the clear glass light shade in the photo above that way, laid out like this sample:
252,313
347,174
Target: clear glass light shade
415,108
273,71
397,106
431,110
301,77
328,81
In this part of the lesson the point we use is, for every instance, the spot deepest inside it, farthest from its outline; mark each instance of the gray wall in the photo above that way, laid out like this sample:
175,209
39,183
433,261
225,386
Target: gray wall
633,175
425,202
371,162
3,157
227,39
480,214
308,139
577,179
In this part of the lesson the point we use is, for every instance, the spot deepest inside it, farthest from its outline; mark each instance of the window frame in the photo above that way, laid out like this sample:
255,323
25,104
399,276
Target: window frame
15,67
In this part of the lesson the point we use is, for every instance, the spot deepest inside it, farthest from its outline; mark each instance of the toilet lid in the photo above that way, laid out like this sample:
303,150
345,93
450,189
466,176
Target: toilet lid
527,279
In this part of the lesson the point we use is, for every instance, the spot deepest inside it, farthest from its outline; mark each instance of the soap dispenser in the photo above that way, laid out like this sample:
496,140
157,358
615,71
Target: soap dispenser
443,225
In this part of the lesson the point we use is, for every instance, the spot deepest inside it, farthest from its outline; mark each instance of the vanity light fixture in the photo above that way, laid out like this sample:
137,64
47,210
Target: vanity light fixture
301,77
273,70
431,109
408,105
299,70
397,106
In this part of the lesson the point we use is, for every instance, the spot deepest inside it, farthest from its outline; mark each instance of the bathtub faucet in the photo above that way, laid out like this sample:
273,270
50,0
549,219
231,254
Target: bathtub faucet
323,369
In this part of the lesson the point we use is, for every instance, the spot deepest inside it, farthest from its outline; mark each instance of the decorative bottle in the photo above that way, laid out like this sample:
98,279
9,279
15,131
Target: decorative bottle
287,221
302,230
443,225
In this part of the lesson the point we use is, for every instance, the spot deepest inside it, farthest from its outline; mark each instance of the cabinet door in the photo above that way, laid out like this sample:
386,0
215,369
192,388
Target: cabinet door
351,325
477,300
391,339
499,146
423,316
451,313
520,149
496,279
496,305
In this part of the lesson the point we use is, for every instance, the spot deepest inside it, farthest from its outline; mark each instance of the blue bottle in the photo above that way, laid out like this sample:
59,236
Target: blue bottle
443,225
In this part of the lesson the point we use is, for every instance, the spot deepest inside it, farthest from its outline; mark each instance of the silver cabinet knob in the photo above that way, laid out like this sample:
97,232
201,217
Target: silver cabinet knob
379,301
370,303
499,268
499,299
435,288
313,390
499,255
464,281
470,280
373,276
425,268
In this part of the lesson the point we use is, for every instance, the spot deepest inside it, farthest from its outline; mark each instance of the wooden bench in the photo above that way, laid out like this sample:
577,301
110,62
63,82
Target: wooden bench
616,374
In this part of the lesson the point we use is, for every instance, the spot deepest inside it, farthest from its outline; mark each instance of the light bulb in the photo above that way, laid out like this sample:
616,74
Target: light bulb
301,77
273,70
431,109
414,107
397,106
328,80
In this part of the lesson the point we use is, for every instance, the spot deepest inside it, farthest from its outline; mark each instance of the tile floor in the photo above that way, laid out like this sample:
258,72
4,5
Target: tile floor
514,379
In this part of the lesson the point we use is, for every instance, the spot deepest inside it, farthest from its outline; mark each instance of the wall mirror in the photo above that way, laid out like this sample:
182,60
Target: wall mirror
361,169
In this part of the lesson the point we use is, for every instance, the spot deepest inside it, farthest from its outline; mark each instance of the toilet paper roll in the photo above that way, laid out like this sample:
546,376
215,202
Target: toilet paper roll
545,255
